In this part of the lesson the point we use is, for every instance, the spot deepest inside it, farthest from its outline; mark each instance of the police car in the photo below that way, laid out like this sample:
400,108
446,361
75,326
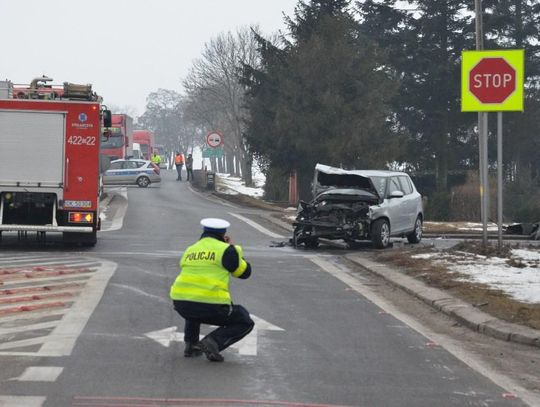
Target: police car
132,172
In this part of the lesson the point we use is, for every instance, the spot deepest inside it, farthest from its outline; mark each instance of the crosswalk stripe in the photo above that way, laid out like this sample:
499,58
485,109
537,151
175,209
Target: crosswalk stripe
40,374
21,401
33,315
66,289
25,328
23,343
47,280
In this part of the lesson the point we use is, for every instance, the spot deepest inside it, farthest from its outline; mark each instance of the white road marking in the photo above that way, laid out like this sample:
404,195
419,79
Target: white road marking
61,340
141,292
23,343
21,401
257,226
40,374
118,220
452,346
24,328
247,346
34,315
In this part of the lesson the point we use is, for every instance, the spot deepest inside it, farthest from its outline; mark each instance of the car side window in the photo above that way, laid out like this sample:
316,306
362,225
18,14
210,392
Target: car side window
138,164
406,186
394,185
130,165
116,166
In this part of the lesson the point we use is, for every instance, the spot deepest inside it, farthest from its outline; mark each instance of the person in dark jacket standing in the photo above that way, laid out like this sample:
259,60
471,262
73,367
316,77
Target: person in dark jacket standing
189,167
201,295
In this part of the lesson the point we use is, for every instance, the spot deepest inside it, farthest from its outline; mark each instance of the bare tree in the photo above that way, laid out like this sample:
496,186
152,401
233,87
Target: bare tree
164,115
216,95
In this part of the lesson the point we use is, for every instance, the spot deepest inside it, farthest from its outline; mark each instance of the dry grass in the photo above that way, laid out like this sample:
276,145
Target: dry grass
435,274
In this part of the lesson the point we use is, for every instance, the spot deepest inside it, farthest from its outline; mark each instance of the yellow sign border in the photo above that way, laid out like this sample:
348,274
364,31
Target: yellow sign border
514,103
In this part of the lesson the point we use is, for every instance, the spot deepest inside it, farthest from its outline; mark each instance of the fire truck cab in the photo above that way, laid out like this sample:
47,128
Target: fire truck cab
49,160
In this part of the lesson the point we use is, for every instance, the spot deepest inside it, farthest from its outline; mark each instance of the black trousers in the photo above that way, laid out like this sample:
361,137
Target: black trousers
189,173
233,321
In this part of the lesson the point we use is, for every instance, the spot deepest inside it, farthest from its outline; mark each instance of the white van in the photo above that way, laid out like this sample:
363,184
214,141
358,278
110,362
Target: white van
137,153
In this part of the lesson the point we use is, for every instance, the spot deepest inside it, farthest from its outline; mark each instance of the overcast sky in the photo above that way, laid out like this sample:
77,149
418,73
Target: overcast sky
125,49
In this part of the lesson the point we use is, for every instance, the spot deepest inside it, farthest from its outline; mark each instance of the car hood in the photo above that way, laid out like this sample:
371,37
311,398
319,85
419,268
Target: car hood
337,181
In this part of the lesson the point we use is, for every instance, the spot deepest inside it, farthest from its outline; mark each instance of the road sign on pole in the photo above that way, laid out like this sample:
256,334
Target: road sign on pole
492,81
212,153
214,139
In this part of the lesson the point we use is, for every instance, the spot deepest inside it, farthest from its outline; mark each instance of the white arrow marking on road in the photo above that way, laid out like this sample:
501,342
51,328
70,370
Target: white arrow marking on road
247,346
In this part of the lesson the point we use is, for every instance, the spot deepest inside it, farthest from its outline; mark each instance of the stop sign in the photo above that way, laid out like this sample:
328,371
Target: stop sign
492,80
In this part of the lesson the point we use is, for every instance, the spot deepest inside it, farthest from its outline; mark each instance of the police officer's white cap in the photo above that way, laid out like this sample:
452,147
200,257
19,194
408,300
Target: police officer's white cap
215,224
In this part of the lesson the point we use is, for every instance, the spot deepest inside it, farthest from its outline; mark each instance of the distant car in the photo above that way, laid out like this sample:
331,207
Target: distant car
132,172
359,205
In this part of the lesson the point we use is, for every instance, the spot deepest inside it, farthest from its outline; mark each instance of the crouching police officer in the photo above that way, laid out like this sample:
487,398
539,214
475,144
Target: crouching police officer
200,293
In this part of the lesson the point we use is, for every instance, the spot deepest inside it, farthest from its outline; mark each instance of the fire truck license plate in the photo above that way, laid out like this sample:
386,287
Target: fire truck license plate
77,204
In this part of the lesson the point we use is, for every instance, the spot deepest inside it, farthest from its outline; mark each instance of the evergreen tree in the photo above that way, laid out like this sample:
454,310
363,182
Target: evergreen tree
515,24
424,42
320,97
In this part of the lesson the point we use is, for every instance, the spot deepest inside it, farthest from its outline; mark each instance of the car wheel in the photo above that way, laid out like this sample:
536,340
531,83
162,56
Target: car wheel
416,235
296,237
143,182
380,234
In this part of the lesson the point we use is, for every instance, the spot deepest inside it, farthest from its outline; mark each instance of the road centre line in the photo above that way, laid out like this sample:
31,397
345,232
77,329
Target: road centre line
450,345
257,226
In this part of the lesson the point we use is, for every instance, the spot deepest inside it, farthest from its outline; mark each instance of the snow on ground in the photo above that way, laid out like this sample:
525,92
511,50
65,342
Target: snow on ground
234,186
518,277
463,226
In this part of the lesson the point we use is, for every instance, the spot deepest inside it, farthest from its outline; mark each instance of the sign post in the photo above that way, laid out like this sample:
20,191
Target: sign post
492,81
214,145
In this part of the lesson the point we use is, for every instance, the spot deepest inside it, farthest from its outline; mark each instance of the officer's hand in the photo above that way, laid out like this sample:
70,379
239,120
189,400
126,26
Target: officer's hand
227,239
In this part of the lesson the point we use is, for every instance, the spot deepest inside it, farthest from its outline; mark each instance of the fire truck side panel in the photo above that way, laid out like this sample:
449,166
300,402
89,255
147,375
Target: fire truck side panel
50,153
32,148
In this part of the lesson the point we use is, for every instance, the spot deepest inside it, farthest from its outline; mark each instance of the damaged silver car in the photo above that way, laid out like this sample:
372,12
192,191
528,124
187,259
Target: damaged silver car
359,205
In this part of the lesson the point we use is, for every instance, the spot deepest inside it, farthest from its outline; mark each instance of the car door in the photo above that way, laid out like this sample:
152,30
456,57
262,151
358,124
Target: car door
395,207
409,204
130,172
114,174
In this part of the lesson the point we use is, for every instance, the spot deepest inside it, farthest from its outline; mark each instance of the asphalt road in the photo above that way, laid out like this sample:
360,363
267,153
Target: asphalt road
319,339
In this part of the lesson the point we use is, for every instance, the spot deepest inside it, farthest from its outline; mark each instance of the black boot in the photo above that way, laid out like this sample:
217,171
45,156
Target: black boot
192,350
211,350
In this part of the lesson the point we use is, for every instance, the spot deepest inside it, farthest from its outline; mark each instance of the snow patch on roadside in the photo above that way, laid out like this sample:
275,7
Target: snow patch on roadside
521,282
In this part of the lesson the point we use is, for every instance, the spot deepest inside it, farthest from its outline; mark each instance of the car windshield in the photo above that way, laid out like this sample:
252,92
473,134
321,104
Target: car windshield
380,185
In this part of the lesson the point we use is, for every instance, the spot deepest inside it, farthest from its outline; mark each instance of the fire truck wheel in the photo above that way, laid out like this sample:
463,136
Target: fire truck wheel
143,182
82,239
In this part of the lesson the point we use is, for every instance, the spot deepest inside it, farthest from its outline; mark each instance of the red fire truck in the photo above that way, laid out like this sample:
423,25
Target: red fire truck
49,161
117,141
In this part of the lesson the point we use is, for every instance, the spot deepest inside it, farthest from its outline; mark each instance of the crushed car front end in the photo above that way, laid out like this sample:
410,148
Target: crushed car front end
340,209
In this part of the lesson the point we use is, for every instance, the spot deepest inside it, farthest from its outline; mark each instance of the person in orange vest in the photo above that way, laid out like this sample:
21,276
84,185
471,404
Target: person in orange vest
179,162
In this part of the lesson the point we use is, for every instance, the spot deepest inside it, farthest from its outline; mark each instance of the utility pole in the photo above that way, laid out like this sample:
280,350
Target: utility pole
482,132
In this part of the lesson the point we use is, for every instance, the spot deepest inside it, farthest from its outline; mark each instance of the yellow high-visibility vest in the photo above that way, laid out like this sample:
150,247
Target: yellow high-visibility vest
203,277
